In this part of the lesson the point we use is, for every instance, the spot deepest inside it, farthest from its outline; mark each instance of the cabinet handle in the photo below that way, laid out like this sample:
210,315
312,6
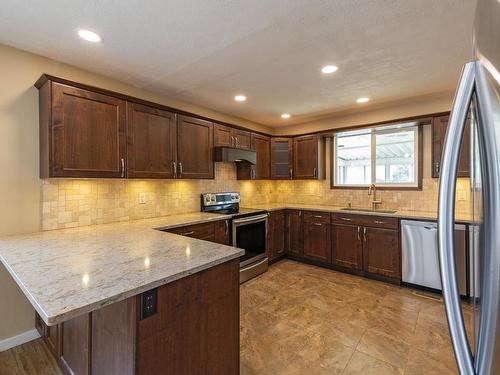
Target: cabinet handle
253,173
237,142
315,171
318,216
359,234
291,174
364,233
227,227
436,167
188,233
318,224
300,213
379,222
122,163
175,169
345,219
180,169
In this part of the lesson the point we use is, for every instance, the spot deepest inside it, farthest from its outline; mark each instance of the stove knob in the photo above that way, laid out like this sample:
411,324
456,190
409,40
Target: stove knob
212,198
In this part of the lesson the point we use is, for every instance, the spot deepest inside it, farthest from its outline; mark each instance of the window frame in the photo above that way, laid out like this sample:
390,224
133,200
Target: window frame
419,159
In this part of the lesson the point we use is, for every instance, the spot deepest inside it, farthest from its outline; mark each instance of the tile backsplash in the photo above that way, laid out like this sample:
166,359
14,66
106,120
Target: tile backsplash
71,203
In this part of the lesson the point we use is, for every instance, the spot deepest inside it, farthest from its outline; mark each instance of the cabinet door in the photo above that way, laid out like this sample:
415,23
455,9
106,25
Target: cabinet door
347,247
195,144
276,231
381,253
88,134
281,158
243,139
223,136
294,235
439,126
152,142
317,244
305,157
262,146
222,232
75,347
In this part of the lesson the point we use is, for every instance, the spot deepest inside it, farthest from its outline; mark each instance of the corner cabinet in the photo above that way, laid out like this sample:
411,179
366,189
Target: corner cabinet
276,234
82,133
309,157
282,158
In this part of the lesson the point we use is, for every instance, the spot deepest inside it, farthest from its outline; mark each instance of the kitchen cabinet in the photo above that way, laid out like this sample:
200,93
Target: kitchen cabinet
276,238
152,142
82,133
347,246
226,136
262,169
205,231
439,126
381,254
221,234
317,231
294,234
309,157
281,158
195,143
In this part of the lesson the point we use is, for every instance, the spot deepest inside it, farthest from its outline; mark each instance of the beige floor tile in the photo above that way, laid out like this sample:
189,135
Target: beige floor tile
419,363
363,364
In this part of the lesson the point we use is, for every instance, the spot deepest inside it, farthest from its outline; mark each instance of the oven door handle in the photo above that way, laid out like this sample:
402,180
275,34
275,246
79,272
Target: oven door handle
250,219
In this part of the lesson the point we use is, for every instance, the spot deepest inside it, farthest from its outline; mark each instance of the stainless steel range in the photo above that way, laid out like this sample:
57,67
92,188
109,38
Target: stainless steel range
249,231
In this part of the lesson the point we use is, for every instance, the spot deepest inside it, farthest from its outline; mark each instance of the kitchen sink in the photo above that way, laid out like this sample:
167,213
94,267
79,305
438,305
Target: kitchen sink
369,210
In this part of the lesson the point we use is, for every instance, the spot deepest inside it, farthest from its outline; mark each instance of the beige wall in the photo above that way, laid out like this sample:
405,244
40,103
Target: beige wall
20,186
440,102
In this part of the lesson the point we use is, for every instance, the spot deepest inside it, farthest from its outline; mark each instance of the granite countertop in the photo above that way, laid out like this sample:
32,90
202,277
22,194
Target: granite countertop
66,273
402,214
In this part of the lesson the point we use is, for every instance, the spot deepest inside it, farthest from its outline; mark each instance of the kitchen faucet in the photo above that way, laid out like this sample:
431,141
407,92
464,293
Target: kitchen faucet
373,189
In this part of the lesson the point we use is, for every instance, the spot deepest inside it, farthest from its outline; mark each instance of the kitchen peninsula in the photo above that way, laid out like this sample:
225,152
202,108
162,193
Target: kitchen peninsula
126,298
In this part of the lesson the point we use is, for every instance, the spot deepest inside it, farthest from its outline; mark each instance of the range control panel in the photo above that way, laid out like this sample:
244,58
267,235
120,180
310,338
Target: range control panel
212,199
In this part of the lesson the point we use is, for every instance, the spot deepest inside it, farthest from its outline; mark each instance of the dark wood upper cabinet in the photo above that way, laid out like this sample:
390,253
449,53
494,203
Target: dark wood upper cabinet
347,246
381,253
262,170
439,126
276,231
152,142
82,133
195,143
309,157
226,136
294,235
317,232
282,158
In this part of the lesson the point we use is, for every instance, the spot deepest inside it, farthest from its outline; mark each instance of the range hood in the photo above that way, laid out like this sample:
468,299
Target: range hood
235,155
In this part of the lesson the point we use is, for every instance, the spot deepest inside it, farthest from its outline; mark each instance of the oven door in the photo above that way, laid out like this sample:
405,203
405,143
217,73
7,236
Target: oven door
250,234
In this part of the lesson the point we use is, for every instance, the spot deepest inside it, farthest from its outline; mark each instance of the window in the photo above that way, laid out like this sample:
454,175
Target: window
386,156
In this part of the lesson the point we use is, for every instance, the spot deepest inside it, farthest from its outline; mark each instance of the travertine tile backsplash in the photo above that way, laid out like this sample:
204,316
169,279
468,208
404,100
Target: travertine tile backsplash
72,203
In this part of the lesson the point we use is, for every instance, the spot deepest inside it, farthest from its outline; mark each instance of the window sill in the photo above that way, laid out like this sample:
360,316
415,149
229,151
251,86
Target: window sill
394,188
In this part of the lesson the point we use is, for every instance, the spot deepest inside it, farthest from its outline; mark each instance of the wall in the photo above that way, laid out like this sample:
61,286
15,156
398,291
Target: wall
20,186
70,203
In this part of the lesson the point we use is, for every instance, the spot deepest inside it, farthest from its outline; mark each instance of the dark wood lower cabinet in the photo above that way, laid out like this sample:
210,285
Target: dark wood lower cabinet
195,330
347,246
381,255
317,245
294,235
222,232
276,231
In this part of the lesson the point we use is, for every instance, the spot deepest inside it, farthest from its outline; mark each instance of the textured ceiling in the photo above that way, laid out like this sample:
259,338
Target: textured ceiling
206,51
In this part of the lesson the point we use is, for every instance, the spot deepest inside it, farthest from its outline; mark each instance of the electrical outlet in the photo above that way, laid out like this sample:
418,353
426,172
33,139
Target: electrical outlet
148,303
142,198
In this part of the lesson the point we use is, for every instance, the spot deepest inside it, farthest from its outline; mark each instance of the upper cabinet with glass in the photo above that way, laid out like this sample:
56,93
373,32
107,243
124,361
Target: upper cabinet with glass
387,156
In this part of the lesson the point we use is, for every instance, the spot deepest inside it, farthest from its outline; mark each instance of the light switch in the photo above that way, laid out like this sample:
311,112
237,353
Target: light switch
142,198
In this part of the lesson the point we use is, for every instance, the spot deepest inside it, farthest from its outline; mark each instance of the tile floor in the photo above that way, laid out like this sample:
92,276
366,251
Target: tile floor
302,319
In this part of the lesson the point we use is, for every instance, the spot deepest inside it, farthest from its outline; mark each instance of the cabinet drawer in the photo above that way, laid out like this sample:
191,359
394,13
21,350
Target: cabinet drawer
201,231
315,216
366,220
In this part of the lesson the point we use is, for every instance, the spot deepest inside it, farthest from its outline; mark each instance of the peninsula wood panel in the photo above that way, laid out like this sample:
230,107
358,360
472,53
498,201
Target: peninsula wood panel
196,327
75,347
86,134
152,142
195,148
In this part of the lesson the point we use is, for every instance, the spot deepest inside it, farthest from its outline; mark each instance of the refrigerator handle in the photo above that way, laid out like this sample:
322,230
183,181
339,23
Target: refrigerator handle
446,219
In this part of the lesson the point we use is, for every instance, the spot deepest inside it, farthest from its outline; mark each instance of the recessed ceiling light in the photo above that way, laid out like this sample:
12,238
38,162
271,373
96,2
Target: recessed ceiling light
89,36
329,69
285,115
240,98
362,100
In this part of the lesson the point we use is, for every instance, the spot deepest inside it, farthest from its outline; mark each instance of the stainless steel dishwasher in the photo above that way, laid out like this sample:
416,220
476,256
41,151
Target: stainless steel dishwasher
421,256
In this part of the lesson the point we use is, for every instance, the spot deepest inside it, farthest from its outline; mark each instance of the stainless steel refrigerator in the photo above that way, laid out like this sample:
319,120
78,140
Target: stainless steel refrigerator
477,96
